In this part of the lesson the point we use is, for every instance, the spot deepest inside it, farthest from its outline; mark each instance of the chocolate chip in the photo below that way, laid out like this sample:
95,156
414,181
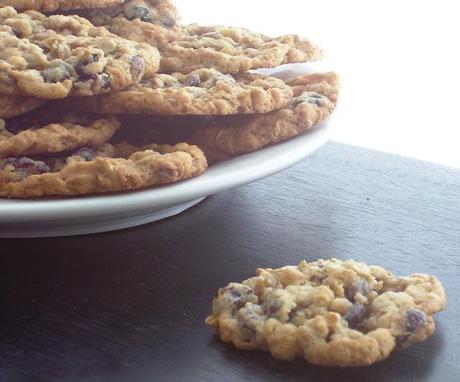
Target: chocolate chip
194,80
361,286
415,319
86,153
355,315
137,68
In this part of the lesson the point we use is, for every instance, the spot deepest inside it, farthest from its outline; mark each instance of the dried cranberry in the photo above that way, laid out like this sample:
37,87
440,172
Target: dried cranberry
271,308
169,22
194,80
86,153
415,319
361,286
141,13
355,315
137,68
28,166
105,80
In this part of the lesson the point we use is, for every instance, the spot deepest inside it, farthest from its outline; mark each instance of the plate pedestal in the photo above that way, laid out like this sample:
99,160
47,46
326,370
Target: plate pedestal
94,224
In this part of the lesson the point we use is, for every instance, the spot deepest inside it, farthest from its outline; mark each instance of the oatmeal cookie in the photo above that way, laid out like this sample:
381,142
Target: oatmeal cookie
315,97
108,168
233,50
205,91
70,133
57,56
12,106
57,5
330,312
155,22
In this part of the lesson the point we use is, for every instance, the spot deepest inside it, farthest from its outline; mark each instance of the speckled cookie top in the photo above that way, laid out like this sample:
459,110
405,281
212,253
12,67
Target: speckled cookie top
331,312
234,50
57,56
108,168
155,22
315,97
205,91
57,5
158,12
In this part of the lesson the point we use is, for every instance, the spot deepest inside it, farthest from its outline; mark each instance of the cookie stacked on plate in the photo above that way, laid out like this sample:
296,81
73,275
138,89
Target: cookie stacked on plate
111,95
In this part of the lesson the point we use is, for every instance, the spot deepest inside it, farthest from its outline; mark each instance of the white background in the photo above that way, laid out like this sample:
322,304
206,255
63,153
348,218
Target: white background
399,63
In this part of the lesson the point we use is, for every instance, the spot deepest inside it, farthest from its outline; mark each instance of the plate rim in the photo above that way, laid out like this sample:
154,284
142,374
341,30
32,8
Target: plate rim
220,177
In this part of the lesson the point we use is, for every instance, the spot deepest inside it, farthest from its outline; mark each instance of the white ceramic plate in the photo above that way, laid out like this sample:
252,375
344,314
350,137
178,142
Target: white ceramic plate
85,215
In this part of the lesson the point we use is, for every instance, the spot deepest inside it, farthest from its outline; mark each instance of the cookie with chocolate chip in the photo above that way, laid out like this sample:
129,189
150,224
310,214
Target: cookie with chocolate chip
315,98
202,92
155,22
56,56
71,132
57,5
234,50
329,312
108,168
12,106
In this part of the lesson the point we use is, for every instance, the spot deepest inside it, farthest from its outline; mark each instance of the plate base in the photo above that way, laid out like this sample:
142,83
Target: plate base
90,225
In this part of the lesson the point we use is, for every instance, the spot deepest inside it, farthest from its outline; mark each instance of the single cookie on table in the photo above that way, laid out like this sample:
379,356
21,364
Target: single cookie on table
12,106
56,56
315,98
330,312
109,168
233,50
202,92
155,22
57,5
70,133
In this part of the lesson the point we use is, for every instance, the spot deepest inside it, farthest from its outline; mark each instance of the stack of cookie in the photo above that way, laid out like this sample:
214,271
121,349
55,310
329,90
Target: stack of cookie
114,95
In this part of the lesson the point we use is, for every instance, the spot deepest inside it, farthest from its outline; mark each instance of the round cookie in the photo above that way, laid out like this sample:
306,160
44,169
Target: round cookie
315,97
57,5
12,106
330,312
56,56
107,169
155,22
70,133
202,92
233,50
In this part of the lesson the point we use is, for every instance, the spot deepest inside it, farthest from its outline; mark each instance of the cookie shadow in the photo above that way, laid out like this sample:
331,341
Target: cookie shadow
411,364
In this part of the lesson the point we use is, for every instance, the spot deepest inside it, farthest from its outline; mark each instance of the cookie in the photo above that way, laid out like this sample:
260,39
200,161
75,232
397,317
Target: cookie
107,169
70,133
12,106
233,50
330,312
56,56
155,22
202,92
57,5
315,97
